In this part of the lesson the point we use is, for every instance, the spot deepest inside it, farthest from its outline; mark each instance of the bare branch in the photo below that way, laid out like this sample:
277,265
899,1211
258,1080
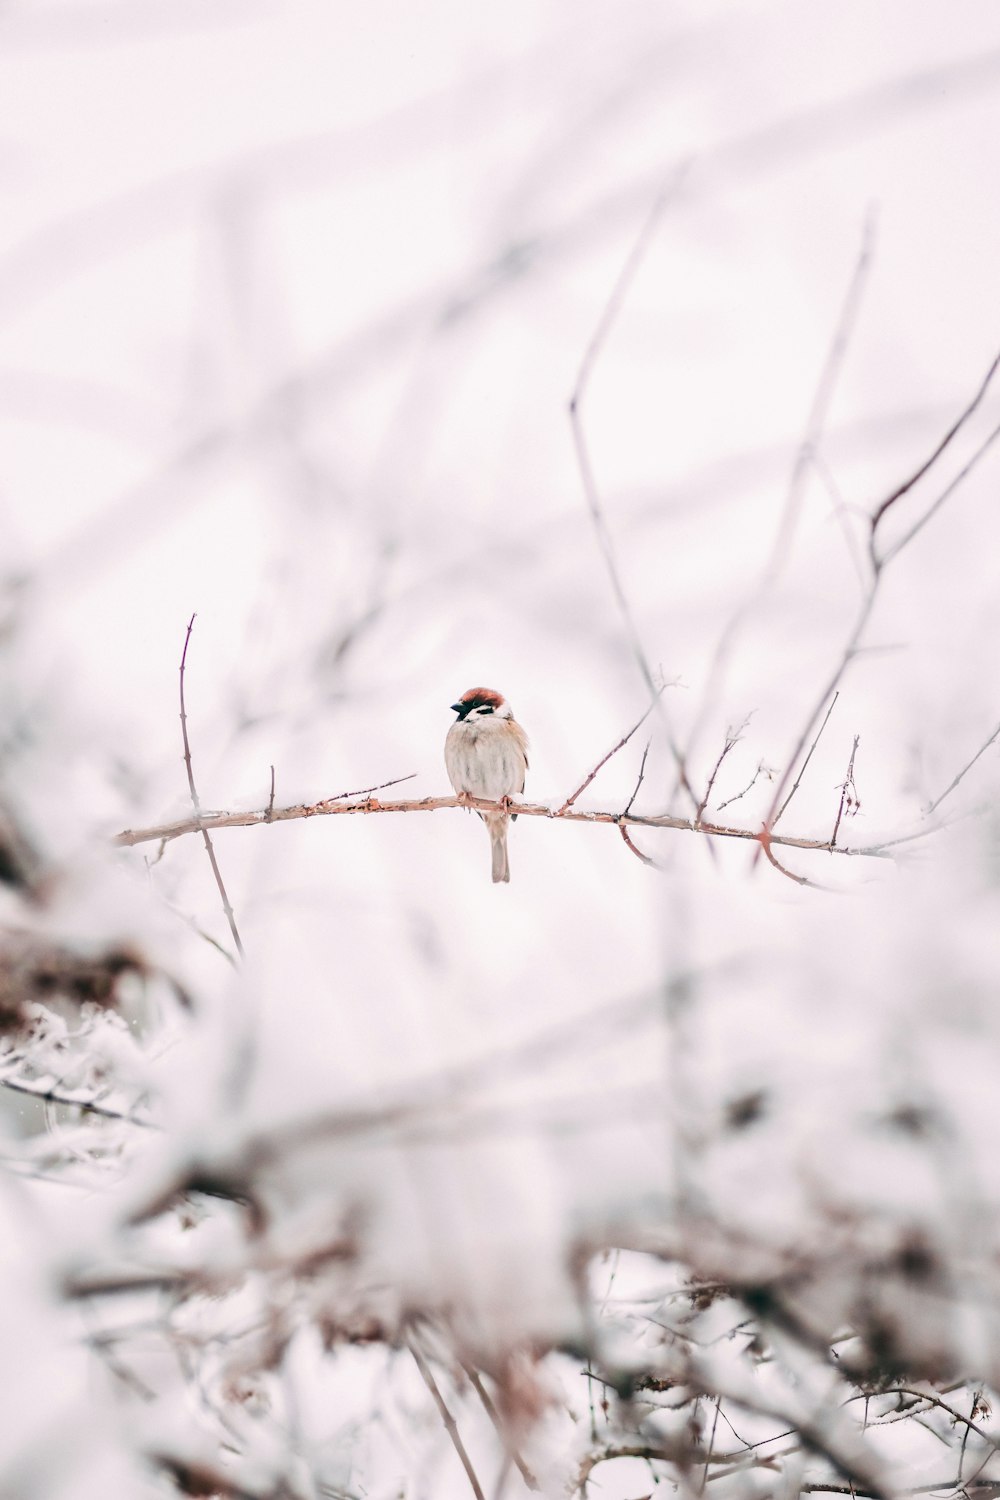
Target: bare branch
804,459
638,784
761,770
450,1425
605,758
848,792
928,463
88,1103
829,687
630,844
812,747
649,1451
598,339
732,738
489,1406
945,494
371,806
196,804
765,843
270,800
964,772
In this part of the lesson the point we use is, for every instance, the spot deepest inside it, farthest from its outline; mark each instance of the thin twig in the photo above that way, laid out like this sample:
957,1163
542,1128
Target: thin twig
879,565
711,1444
823,399
605,758
595,346
805,763
270,800
449,1421
765,843
848,792
328,809
366,791
761,770
649,1451
945,494
840,513
907,485
196,804
642,772
732,738
630,844
805,457
964,772
88,1104
489,1406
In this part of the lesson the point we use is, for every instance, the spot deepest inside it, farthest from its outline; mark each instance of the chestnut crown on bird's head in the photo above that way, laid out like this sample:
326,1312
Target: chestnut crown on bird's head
480,703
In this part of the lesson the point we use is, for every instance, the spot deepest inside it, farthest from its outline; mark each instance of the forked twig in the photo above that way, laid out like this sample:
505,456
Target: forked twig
805,457
595,345
761,770
733,737
879,565
605,758
945,494
489,1406
196,804
918,474
450,1425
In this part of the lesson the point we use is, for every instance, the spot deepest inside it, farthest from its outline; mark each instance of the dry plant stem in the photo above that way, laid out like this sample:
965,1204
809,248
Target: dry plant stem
879,565
449,1421
964,772
840,513
805,458
648,1451
829,687
630,844
732,738
605,758
907,485
595,346
638,784
761,768
87,1104
475,1380
822,400
798,780
196,804
945,494
327,809
847,783
765,844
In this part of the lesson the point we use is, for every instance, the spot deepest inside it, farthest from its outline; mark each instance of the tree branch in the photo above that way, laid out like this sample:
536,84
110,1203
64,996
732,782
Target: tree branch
332,808
605,758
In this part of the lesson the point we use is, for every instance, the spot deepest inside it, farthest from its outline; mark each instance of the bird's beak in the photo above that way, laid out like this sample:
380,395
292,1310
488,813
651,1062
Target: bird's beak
456,708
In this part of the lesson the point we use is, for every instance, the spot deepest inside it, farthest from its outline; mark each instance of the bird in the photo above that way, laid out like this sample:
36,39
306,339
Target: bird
486,755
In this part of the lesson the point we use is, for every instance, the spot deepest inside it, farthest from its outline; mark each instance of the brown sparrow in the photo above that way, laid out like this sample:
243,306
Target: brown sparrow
486,755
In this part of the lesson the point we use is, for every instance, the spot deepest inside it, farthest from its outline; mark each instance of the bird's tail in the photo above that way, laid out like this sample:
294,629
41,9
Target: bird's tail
498,842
